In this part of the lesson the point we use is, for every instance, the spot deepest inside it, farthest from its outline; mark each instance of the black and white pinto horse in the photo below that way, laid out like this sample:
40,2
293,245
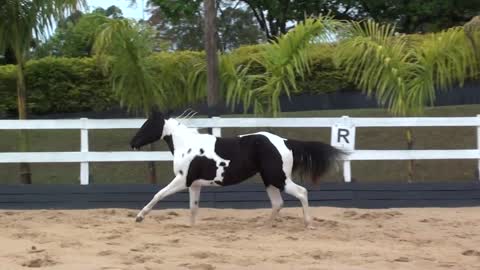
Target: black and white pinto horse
205,160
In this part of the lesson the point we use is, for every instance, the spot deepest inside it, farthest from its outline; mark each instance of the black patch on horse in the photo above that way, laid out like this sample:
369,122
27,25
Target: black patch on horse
169,140
270,162
242,159
223,164
248,156
201,151
201,168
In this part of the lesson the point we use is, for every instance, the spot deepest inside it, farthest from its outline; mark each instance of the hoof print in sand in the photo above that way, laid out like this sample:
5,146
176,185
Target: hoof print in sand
202,266
373,215
174,214
327,223
39,262
34,249
402,259
203,254
471,252
105,253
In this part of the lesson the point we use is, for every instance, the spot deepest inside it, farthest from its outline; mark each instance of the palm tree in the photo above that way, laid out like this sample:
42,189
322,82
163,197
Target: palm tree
142,80
122,47
282,62
21,22
401,72
213,95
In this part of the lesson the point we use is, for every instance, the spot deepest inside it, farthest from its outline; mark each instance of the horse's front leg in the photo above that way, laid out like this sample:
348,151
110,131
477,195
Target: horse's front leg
177,184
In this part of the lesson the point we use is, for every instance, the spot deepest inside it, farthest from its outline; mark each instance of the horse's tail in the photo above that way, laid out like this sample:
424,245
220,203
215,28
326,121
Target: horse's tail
313,158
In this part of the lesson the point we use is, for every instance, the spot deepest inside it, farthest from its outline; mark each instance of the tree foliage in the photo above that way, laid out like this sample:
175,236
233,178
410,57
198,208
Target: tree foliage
71,84
273,17
283,61
75,34
420,16
21,21
122,48
402,74
235,26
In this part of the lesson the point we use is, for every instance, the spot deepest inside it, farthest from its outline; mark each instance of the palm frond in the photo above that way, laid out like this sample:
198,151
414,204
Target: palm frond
376,60
122,47
402,74
283,61
439,62
24,19
180,75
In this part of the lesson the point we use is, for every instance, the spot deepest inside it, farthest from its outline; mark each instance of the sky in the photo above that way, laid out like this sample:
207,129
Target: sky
134,12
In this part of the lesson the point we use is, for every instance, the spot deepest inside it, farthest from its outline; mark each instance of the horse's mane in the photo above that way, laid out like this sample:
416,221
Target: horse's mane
186,115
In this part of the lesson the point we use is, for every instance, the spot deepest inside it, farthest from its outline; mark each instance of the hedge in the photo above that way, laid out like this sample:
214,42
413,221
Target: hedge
57,85
64,85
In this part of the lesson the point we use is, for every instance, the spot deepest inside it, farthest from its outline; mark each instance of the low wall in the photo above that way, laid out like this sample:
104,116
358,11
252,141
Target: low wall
240,196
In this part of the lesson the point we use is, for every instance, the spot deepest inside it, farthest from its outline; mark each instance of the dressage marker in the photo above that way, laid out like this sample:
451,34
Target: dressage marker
205,160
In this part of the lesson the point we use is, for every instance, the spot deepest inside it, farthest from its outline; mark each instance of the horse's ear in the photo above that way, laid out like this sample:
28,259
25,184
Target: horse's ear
156,113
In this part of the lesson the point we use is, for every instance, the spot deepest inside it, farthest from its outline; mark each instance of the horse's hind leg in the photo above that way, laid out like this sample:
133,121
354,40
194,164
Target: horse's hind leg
194,192
177,184
300,193
276,200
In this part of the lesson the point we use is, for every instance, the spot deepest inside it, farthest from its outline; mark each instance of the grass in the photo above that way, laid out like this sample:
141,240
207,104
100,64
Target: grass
362,171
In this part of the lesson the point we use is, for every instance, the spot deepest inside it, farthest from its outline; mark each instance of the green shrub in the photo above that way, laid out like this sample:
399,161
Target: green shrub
62,85
173,71
58,85
8,93
66,85
324,77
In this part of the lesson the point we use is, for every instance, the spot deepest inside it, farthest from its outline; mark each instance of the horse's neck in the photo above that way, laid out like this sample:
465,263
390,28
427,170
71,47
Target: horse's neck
181,135
169,141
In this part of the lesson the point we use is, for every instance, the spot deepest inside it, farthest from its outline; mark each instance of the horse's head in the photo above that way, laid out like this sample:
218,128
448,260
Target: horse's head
152,130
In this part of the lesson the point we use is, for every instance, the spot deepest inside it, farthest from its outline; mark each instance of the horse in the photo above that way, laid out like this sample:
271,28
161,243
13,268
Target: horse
206,160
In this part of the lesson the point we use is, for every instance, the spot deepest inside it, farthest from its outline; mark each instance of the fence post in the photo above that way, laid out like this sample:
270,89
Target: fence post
343,137
84,167
478,146
216,131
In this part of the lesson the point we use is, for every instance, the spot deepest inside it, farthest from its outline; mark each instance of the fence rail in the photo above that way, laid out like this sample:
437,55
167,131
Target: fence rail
342,128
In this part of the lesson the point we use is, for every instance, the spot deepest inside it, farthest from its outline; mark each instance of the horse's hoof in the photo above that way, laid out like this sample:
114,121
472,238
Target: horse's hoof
139,219
310,227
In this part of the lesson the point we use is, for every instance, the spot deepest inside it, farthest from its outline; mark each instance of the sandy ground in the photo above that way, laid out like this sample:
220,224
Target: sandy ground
107,239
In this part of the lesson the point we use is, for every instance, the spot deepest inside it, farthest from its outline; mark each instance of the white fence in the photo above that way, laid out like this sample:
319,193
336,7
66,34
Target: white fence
343,135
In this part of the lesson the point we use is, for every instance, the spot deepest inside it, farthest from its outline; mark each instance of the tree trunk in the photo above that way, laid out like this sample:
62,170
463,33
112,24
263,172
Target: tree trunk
212,59
411,163
23,141
152,172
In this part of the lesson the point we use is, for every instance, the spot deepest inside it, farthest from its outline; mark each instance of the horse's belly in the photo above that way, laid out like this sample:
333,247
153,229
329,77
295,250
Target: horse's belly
235,174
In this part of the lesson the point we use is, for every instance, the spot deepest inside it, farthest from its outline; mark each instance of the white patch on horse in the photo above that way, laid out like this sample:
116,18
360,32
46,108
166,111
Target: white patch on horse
185,153
203,182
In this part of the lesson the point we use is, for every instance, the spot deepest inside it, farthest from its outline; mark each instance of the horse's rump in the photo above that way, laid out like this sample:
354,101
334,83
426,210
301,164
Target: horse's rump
313,158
